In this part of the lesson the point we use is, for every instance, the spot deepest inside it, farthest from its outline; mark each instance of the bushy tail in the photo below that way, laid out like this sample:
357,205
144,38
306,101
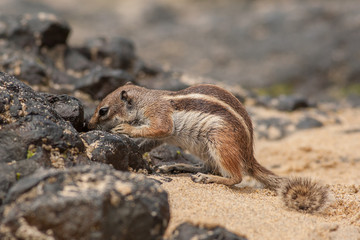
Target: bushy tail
301,194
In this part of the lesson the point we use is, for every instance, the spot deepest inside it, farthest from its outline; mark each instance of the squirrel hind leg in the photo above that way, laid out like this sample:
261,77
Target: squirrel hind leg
208,178
225,161
304,194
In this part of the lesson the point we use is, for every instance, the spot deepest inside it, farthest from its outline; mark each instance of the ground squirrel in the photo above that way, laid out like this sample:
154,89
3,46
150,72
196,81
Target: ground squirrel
210,123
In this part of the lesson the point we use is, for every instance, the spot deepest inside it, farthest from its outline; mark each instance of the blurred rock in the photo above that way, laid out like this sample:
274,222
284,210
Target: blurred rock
273,128
117,150
117,52
25,66
146,144
100,82
76,61
354,101
40,30
62,80
308,122
186,231
165,80
285,102
69,108
85,203
307,46
14,171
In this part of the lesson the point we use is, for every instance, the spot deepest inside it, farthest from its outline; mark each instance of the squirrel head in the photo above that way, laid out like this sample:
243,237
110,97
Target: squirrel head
116,108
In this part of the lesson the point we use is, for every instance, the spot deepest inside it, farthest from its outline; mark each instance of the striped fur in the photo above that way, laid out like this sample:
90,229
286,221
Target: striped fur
202,102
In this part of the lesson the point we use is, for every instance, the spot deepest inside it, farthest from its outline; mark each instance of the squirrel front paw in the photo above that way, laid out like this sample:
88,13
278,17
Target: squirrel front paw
123,128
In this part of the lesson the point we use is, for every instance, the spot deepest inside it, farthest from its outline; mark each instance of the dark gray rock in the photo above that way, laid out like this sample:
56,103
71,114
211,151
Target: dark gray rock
39,130
188,231
117,52
12,172
19,100
32,133
69,108
62,79
100,82
308,122
27,67
169,154
59,139
37,30
117,150
7,179
29,119
86,203
77,61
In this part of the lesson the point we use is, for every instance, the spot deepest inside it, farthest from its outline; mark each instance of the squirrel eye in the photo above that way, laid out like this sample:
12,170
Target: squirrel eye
103,111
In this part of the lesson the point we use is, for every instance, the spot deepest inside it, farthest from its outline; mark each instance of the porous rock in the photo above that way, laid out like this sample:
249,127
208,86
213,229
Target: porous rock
32,133
28,118
19,100
69,108
85,203
187,231
117,150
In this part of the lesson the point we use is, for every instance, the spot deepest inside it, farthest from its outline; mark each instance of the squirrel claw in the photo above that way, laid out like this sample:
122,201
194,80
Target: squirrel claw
121,129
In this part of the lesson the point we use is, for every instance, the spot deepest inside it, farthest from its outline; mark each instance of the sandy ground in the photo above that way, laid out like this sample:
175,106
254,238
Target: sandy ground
330,155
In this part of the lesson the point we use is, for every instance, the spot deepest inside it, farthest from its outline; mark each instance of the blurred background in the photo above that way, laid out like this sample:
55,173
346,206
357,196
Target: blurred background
308,47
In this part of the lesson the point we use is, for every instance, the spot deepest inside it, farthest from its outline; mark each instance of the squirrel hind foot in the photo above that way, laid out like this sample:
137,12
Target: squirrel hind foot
304,195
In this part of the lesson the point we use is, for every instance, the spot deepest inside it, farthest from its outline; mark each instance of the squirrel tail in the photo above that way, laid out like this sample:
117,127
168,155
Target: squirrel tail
301,194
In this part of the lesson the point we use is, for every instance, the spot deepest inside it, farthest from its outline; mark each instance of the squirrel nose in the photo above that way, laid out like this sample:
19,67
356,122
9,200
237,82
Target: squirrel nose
91,125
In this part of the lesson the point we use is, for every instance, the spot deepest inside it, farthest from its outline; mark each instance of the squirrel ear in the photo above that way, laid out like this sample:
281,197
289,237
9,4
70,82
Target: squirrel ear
129,83
125,97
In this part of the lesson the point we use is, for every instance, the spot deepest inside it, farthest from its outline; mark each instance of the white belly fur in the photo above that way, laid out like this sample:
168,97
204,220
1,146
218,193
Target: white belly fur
191,132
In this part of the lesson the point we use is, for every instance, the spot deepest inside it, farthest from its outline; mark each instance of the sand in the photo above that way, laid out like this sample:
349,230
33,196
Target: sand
330,154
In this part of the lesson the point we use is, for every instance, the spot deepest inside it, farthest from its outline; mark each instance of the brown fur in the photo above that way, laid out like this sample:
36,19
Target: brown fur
209,122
